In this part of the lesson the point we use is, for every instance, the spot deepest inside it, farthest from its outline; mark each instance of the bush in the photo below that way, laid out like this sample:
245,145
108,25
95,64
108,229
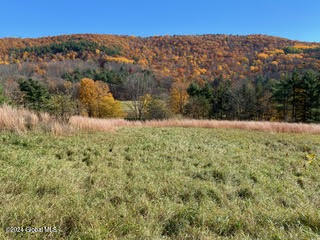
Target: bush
110,108
198,107
62,106
157,109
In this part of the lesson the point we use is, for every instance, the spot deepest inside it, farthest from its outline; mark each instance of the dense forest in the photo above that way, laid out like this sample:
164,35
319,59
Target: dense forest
253,77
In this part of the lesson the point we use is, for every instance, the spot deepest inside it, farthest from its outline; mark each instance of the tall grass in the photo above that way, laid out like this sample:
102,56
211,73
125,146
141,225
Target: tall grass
17,119
84,123
20,120
94,124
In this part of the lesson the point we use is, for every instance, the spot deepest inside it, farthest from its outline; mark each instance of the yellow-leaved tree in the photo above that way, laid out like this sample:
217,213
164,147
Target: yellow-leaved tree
109,107
98,100
178,96
88,96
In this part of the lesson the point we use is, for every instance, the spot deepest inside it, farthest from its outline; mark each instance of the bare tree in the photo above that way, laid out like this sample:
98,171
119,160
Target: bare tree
140,87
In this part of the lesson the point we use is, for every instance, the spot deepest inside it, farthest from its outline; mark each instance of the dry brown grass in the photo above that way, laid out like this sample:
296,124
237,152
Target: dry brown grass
246,125
20,120
16,119
93,124
84,123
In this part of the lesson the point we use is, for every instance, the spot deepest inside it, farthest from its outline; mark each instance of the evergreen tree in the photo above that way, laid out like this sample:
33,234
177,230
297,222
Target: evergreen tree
222,99
297,95
246,107
281,96
194,90
35,95
311,95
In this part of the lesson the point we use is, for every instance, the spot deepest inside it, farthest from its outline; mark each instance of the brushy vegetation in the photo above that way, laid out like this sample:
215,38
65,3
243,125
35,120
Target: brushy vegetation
161,183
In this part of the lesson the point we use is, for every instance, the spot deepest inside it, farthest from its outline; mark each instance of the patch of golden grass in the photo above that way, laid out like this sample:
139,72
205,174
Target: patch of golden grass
94,124
246,125
84,123
16,119
20,120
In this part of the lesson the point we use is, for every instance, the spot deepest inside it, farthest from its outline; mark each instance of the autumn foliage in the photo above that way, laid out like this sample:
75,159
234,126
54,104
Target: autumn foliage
201,56
229,77
178,96
97,99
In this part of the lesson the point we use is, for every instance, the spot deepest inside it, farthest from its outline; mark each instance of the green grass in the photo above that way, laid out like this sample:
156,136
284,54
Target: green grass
161,183
126,106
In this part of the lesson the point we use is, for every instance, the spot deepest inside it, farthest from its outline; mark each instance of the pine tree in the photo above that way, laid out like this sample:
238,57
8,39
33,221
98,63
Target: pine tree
36,96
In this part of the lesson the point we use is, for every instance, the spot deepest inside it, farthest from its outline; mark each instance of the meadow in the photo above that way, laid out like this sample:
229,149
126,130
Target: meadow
160,183
151,133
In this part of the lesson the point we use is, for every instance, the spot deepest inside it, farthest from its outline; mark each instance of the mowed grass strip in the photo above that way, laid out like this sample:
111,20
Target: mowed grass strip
161,183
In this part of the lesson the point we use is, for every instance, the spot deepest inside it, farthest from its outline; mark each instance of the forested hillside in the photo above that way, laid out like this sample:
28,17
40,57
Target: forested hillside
253,77
203,56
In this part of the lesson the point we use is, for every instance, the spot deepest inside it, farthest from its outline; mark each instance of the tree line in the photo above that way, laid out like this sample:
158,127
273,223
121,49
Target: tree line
294,98
121,90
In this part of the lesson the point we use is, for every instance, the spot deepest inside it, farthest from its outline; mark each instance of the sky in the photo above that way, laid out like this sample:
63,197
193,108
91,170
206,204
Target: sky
294,19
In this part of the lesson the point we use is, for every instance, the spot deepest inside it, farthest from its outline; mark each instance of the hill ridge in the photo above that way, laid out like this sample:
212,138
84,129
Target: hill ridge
192,57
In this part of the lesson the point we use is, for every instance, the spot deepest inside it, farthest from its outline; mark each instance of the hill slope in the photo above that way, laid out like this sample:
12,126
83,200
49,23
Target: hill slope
191,57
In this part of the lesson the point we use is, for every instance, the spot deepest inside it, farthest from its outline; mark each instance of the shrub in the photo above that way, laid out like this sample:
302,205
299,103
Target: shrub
109,107
157,109
198,107
62,106
139,107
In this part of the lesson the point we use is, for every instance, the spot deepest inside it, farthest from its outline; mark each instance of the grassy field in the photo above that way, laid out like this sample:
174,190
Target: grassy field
126,106
161,183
